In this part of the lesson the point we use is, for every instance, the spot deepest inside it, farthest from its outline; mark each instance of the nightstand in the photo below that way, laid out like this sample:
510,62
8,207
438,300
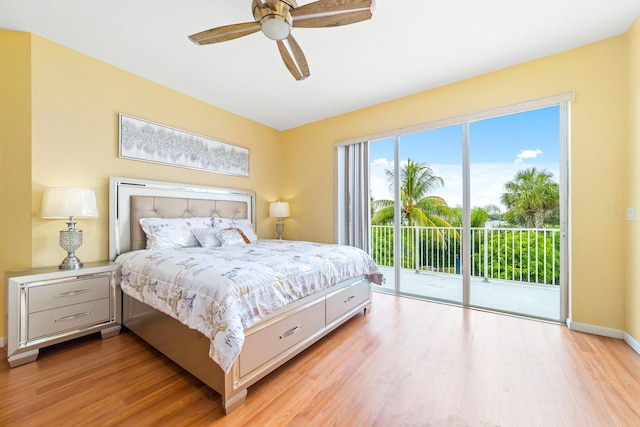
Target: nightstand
46,306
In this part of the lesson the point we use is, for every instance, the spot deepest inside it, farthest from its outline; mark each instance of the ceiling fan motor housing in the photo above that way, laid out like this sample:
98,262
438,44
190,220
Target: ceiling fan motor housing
274,17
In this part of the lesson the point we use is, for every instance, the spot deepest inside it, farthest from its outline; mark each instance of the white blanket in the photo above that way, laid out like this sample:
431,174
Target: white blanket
223,291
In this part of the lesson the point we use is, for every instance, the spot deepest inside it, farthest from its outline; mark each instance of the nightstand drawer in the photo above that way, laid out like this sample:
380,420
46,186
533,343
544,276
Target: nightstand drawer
61,319
61,294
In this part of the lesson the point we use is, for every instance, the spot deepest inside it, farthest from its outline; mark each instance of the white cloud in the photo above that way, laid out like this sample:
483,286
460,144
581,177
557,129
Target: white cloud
382,162
528,154
378,179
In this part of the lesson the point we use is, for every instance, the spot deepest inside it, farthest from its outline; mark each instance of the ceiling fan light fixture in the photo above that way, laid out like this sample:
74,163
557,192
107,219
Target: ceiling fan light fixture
275,27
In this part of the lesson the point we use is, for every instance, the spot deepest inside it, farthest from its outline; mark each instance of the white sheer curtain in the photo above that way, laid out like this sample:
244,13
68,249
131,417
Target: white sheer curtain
353,197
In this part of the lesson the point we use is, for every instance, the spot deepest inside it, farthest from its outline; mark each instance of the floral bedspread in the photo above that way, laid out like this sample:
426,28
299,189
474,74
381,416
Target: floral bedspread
224,290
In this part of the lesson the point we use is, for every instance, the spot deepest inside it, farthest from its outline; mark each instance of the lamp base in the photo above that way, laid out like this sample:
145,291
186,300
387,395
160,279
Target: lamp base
279,228
71,262
70,240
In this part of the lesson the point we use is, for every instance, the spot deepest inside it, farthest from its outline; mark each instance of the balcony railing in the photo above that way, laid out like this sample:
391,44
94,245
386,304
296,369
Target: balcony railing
519,254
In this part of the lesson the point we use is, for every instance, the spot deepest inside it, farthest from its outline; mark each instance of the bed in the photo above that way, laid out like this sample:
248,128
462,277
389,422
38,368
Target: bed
226,354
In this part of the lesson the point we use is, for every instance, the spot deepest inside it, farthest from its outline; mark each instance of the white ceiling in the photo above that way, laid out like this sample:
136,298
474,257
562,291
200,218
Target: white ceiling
409,46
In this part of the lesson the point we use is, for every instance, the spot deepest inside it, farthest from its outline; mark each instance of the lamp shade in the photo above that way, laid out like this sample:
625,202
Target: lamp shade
65,202
279,210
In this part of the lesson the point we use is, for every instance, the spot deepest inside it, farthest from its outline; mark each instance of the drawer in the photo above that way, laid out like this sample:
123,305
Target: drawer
265,344
347,298
61,319
45,297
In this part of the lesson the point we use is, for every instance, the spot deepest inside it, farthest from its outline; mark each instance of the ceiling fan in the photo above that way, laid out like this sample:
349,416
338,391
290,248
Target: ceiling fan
276,19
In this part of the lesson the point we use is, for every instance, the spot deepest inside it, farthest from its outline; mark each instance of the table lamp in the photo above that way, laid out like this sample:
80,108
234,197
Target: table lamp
71,203
279,210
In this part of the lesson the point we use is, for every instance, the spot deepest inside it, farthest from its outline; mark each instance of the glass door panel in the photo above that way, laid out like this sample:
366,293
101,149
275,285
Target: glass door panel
515,220
422,248
431,222
382,160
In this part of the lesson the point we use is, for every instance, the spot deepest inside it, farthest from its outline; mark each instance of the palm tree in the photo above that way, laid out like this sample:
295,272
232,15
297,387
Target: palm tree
533,195
418,208
478,216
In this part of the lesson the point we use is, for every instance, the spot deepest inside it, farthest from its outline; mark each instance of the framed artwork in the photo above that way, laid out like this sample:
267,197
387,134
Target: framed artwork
152,142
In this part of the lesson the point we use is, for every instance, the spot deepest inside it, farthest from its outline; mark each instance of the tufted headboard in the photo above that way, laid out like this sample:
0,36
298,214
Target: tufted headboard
131,199
177,207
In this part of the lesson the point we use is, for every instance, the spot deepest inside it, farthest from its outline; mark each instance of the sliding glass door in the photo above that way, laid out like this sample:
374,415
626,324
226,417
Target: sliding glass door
470,210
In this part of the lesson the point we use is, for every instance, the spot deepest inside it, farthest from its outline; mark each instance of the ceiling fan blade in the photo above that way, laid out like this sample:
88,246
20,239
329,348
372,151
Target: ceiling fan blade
332,13
224,33
294,58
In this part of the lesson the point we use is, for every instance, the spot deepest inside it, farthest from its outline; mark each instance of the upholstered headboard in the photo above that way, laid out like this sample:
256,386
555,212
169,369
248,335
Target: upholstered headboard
174,207
132,199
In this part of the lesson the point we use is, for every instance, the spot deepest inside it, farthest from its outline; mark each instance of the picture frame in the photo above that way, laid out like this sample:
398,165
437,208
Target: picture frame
147,141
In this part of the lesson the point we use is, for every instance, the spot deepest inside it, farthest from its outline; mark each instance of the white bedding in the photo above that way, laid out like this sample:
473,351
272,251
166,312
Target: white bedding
222,291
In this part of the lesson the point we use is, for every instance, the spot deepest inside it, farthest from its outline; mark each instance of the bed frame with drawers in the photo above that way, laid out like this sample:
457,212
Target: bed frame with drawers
268,344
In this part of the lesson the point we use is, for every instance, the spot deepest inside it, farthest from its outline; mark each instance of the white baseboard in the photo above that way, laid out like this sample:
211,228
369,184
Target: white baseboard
632,342
2,341
605,332
595,330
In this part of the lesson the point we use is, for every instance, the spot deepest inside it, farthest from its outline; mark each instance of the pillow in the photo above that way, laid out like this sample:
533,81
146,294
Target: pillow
244,236
207,237
166,233
242,224
230,237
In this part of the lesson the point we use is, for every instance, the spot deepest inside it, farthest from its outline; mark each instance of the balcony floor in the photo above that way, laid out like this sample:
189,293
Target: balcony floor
540,301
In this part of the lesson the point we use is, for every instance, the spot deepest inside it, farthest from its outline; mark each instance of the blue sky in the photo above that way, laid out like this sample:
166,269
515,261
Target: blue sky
498,148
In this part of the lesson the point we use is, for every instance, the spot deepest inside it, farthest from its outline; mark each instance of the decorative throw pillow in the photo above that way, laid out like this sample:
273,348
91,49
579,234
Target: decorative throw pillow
230,237
242,224
167,233
244,236
207,237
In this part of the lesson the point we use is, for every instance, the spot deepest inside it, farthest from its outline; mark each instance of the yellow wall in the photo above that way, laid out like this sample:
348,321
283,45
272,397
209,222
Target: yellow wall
632,296
67,105
597,73
15,156
76,103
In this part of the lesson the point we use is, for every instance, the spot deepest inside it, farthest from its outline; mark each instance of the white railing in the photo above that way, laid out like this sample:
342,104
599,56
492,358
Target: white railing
519,254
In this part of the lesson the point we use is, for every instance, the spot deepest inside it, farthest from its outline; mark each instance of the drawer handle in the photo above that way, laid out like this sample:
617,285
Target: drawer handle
350,298
72,293
73,316
291,331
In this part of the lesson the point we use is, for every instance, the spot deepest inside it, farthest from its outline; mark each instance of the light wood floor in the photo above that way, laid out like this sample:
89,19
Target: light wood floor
406,363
